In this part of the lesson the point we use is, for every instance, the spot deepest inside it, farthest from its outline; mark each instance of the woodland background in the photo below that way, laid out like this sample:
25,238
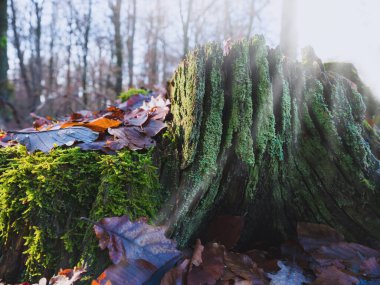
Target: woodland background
70,55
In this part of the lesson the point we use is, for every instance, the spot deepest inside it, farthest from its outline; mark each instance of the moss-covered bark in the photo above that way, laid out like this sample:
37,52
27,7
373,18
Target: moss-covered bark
276,141
42,197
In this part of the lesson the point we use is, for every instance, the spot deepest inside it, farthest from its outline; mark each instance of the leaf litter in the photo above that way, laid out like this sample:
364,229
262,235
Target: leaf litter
142,254
132,124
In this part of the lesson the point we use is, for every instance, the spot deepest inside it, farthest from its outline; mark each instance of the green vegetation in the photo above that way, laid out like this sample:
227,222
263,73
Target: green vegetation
124,96
42,197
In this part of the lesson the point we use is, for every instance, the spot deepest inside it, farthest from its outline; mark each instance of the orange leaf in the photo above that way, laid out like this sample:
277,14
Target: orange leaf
97,125
102,124
72,124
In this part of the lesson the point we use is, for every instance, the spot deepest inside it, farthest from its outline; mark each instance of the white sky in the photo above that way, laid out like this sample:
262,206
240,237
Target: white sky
339,30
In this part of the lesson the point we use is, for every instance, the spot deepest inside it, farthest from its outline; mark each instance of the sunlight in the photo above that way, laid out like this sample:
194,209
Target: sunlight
342,30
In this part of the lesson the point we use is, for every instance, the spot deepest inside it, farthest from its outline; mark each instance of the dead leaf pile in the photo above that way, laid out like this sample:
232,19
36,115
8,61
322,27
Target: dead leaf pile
131,124
141,254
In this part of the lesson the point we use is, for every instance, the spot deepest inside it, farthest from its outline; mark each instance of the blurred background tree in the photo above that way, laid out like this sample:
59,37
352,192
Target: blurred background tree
69,55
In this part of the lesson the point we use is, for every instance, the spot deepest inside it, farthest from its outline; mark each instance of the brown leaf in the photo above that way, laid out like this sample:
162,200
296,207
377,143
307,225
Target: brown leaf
176,275
263,260
114,113
312,236
127,240
350,254
136,117
333,276
243,267
153,127
132,137
197,254
212,267
134,272
371,267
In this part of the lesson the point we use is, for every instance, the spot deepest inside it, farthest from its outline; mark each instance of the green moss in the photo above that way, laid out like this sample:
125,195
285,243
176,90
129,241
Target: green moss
187,98
48,193
124,96
212,118
242,109
264,125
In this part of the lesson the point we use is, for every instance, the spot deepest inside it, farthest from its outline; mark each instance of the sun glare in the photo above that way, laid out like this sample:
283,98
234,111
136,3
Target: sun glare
341,30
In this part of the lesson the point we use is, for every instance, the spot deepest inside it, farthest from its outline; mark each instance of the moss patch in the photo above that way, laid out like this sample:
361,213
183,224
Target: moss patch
42,197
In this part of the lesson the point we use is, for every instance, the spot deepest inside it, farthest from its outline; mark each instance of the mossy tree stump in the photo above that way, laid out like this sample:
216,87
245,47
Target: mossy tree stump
276,141
251,134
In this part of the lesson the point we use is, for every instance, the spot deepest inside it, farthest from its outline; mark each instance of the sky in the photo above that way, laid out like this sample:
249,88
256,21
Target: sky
338,30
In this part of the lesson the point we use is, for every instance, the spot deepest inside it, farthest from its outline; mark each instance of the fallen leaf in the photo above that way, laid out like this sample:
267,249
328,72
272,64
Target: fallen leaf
98,125
46,140
153,127
370,267
312,236
67,276
132,137
333,276
136,117
196,259
138,250
176,275
243,267
212,267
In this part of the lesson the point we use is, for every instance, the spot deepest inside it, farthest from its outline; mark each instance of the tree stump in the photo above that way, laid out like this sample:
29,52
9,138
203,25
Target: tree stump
251,133
257,135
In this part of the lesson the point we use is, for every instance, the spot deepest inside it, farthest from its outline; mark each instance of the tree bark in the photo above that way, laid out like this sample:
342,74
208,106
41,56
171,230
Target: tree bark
36,66
20,52
86,36
116,10
275,141
132,15
3,59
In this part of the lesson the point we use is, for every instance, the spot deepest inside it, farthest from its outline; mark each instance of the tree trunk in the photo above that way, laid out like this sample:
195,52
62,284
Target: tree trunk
116,10
3,60
20,53
274,141
131,39
85,53
289,28
36,67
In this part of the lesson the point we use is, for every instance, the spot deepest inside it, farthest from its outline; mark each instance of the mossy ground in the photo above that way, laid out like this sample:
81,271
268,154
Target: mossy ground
43,196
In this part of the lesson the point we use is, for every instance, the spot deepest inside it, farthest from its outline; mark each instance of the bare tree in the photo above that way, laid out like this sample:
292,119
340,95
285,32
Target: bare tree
87,21
36,60
3,50
53,32
20,52
185,20
289,28
68,93
131,31
254,12
116,22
